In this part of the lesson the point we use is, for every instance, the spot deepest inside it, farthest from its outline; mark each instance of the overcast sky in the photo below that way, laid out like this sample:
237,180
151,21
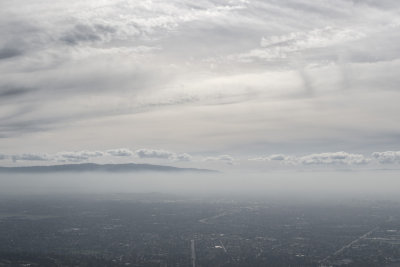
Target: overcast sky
200,83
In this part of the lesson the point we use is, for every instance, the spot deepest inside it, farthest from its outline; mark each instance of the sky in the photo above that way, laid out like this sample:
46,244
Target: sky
228,84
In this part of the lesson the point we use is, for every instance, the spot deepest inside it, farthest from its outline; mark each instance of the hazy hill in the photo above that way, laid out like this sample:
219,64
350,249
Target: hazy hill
92,167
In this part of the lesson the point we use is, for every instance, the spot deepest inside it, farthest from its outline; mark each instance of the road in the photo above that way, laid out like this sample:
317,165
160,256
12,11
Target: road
192,245
337,252
205,220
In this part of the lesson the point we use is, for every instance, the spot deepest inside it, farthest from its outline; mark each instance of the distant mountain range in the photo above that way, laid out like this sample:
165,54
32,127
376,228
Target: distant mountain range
92,167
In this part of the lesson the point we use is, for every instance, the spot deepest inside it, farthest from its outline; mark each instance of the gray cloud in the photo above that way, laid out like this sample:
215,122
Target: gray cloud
162,154
316,160
120,152
341,158
20,37
283,46
328,158
30,157
183,157
78,156
153,153
85,33
222,158
7,91
12,126
85,155
9,52
222,74
387,157
275,157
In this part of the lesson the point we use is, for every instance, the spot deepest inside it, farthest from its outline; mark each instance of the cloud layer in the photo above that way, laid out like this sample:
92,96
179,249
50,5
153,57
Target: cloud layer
213,77
88,156
387,157
340,158
327,160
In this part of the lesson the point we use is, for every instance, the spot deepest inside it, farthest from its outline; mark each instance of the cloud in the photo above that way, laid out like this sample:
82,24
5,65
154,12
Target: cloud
120,152
162,154
7,91
30,157
222,158
85,155
328,158
283,46
183,157
222,74
340,158
387,157
333,158
77,156
87,33
154,153
316,38
274,157
9,52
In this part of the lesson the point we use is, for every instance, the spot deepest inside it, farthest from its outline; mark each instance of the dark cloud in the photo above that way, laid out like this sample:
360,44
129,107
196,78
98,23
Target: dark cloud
86,33
9,52
19,37
7,92
12,129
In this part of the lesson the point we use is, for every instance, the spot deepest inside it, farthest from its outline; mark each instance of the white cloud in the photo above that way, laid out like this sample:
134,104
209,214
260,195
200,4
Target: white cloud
222,158
154,153
277,157
120,152
77,156
85,155
274,157
162,154
387,157
333,159
183,157
203,76
328,158
281,46
341,158
30,157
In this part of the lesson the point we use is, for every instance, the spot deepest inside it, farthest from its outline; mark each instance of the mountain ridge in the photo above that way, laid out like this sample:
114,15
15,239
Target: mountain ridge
93,167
